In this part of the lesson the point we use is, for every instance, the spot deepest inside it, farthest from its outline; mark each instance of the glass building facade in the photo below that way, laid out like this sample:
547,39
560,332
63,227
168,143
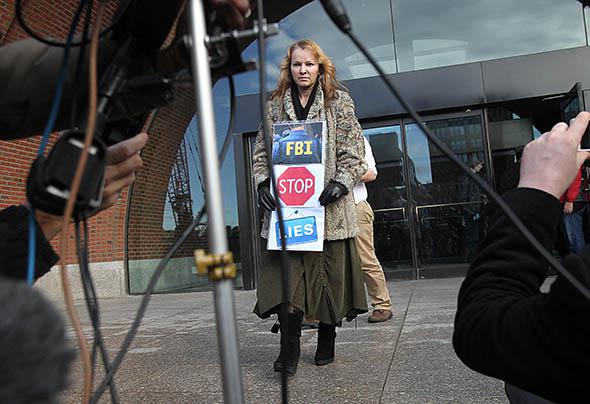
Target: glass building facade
482,73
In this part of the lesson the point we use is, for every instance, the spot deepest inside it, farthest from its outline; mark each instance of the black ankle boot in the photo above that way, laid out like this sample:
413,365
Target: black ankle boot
326,339
290,344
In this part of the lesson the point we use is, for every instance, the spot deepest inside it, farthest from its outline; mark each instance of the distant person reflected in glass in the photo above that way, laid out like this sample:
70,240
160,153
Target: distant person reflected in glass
326,286
470,213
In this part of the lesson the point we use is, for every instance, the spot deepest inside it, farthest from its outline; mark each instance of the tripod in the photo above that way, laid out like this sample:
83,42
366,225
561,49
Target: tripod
218,263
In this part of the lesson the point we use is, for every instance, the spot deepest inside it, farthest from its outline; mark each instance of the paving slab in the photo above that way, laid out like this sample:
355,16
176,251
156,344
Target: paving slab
174,358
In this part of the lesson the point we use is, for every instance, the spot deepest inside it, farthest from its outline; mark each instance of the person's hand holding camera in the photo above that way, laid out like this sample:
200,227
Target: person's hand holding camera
265,198
551,162
333,191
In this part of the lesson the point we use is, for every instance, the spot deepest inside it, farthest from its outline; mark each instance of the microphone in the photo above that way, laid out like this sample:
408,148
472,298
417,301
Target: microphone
337,13
35,355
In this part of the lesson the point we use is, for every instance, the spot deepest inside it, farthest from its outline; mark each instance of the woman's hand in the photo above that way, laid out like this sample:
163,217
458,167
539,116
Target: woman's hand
333,191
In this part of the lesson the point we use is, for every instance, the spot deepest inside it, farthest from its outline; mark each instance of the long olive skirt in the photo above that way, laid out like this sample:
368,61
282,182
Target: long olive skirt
327,286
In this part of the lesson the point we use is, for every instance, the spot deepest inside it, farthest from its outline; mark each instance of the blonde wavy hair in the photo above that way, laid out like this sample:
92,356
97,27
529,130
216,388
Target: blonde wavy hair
326,76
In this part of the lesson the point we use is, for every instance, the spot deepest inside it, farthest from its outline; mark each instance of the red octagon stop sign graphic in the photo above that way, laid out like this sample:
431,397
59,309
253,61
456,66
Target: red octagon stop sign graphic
296,185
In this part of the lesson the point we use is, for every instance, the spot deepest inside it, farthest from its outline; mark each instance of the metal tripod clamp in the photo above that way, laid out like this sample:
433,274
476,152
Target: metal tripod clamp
215,266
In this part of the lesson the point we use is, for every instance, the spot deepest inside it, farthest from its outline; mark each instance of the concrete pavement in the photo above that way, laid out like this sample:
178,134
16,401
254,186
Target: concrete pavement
408,359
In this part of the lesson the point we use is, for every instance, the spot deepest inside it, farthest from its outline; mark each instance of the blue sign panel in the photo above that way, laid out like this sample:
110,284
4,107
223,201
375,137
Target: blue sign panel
296,146
298,231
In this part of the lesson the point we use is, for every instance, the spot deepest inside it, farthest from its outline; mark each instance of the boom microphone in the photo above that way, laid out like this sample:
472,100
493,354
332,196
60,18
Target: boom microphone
337,13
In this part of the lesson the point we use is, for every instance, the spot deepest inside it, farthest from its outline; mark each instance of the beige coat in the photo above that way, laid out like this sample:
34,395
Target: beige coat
344,160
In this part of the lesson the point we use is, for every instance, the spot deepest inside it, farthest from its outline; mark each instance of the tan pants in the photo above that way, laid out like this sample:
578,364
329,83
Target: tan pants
372,270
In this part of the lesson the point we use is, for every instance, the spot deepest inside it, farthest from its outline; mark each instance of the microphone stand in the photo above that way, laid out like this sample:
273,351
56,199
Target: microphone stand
218,264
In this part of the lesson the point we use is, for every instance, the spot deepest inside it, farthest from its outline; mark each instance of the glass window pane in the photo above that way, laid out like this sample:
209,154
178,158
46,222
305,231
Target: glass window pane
434,178
447,201
371,21
389,189
387,196
432,33
511,127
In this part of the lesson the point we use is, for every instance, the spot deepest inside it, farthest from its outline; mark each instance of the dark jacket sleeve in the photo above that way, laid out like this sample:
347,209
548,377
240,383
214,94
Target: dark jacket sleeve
14,231
505,327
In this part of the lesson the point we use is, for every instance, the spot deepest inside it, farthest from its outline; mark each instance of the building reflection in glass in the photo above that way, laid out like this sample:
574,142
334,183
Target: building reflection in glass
388,197
433,33
447,203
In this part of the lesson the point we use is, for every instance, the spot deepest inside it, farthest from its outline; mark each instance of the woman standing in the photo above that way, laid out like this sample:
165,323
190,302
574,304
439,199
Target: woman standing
326,285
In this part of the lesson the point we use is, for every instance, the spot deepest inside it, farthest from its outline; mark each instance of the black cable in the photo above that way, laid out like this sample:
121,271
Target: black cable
91,299
228,135
80,63
159,269
59,44
338,15
232,118
193,142
284,317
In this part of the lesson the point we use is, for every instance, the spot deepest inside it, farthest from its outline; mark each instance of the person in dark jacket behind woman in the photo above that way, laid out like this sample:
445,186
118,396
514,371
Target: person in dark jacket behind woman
326,286
505,327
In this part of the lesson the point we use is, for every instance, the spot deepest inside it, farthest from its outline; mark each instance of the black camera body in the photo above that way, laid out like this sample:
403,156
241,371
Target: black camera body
50,178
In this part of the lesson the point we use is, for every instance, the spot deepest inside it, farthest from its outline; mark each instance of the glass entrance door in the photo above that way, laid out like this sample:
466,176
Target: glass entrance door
446,203
389,199
426,210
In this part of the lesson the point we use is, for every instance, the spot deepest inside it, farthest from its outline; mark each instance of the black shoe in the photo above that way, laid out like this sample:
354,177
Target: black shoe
290,345
292,353
324,353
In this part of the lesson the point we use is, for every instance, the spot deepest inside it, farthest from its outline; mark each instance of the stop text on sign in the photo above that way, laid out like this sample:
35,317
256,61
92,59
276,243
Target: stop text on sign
296,185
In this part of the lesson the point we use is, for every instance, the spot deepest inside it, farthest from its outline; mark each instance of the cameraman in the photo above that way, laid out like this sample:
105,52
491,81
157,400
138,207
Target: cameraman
504,326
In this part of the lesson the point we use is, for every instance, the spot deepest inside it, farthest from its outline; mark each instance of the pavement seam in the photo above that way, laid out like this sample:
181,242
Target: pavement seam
401,327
